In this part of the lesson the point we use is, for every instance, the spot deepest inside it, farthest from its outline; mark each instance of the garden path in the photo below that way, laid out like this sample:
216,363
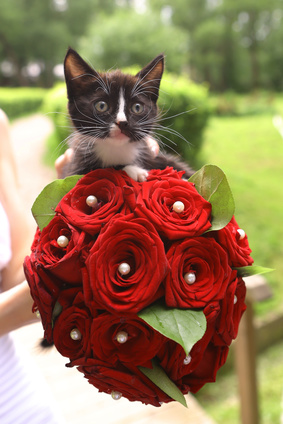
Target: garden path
78,402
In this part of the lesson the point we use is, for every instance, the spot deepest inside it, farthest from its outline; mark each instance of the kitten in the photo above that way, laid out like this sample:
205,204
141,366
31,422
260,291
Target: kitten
113,113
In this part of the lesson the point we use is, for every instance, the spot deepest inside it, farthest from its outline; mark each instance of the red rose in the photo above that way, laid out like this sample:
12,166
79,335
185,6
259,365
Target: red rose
213,358
67,297
232,309
129,382
44,291
62,262
131,241
157,201
235,242
102,259
107,186
161,174
172,356
206,263
71,331
141,345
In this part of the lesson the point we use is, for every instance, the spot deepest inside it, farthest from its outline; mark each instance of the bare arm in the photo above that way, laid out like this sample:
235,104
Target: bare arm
15,300
16,308
21,228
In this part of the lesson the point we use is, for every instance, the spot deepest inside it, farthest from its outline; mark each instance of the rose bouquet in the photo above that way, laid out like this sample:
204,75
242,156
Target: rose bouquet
140,285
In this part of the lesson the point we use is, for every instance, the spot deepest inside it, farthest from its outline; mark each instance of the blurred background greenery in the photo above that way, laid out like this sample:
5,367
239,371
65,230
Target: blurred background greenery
224,68
230,45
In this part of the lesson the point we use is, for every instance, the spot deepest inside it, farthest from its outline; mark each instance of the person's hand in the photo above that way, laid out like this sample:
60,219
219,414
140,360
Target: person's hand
16,308
64,159
153,146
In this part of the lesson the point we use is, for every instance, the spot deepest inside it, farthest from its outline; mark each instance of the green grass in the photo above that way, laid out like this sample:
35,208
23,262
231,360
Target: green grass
220,400
250,151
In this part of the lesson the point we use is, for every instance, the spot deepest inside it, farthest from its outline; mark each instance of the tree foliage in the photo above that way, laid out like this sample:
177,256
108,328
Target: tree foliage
230,44
39,32
123,39
233,44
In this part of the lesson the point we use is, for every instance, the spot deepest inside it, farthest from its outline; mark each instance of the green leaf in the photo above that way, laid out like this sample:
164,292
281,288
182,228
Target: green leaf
211,183
45,204
56,312
184,326
158,376
247,271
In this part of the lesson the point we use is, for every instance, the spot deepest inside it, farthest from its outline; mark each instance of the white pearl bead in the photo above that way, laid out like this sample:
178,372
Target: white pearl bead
62,241
124,268
75,334
91,201
241,233
178,207
116,395
37,314
122,337
190,277
187,360
235,299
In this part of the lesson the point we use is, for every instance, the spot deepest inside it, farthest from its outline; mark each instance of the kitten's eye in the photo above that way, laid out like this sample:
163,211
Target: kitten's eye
137,108
101,106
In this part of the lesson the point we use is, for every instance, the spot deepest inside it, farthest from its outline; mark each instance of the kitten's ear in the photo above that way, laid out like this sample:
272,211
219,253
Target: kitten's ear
78,74
151,75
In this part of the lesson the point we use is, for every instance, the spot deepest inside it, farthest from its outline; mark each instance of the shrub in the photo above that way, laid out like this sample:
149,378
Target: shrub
21,101
181,99
187,103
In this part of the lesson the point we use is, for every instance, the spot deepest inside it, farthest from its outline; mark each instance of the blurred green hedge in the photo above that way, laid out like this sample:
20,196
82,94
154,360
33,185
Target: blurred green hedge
187,103
21,101
181,99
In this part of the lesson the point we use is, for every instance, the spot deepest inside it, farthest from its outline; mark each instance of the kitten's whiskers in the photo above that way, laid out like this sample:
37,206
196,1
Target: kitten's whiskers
143,88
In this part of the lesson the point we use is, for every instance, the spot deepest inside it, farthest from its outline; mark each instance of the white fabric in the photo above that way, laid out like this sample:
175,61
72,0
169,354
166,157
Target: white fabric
24,396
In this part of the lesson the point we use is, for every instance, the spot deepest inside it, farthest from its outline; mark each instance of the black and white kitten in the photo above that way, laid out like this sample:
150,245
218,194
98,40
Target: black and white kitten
113,114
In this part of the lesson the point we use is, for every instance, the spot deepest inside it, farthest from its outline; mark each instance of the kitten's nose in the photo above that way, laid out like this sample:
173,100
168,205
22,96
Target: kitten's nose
122,125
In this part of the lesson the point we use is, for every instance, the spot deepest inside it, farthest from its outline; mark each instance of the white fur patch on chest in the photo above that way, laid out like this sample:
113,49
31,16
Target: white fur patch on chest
112,154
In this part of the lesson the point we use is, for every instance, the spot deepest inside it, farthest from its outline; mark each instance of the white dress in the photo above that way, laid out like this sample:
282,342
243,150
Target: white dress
24,396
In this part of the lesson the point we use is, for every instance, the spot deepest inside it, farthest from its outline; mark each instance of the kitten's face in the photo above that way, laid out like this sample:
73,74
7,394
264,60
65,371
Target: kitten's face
113,108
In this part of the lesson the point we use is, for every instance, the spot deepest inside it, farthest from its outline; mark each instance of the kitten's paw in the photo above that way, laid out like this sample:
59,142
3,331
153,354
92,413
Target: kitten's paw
136,173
